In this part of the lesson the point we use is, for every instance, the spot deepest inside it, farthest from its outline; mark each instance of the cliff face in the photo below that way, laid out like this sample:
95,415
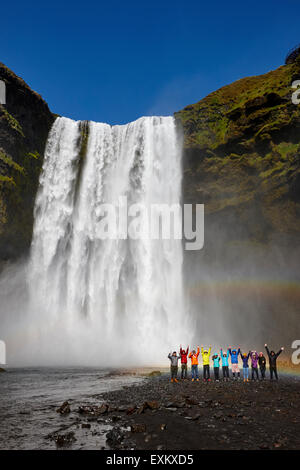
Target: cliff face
25,121
242,157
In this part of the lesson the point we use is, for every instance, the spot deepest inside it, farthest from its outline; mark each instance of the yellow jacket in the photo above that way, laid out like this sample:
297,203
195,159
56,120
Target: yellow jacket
194,357
205,356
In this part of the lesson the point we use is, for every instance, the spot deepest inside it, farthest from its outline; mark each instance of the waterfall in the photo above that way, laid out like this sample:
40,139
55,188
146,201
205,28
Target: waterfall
95,300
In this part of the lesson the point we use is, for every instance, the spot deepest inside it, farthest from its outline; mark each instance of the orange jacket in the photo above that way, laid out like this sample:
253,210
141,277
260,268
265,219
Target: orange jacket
194,357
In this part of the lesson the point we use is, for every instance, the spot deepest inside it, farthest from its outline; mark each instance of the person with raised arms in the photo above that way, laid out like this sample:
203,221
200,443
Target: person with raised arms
194,362
184,356
205,357
234,353
262,365
225,364
273,361
174,365
245,358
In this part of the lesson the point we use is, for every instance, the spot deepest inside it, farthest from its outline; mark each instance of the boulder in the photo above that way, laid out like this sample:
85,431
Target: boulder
64,408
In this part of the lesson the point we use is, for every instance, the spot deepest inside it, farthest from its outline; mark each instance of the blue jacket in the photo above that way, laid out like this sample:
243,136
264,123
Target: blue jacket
216,360
234,356
225,359
245,360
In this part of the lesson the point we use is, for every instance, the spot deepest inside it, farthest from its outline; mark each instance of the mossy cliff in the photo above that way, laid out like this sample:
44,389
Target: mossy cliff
242,157
25,121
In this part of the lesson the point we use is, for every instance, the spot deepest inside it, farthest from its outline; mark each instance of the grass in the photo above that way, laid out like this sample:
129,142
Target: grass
7,160
12,122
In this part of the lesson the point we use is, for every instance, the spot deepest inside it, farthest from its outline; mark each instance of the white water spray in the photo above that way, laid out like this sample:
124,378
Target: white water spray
95,301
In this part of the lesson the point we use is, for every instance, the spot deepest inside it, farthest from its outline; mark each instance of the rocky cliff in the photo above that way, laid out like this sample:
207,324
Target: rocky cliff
25,121
242,157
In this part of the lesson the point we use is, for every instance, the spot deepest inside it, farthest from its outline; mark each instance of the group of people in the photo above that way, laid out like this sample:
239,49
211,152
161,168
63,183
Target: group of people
258,361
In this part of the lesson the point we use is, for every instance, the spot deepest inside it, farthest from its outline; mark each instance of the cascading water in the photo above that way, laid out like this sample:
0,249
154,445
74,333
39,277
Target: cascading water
105,301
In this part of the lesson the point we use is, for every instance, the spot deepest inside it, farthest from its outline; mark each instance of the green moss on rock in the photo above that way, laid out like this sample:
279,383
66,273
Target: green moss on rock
8,161
12,122
25,121
242,153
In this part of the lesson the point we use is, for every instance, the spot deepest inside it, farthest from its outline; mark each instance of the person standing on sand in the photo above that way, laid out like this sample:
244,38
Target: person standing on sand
262,365
225,364
194,361
184,355
272,361
245,358
235,362
254,364
205,357
174,366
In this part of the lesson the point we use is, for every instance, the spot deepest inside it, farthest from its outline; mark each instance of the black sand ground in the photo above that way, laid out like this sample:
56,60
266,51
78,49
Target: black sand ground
172,416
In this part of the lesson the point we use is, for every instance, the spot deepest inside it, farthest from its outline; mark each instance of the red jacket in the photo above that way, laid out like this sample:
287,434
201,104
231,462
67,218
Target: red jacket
184,355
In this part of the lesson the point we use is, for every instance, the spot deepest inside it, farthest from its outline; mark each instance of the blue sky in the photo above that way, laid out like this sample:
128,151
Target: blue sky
115,61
